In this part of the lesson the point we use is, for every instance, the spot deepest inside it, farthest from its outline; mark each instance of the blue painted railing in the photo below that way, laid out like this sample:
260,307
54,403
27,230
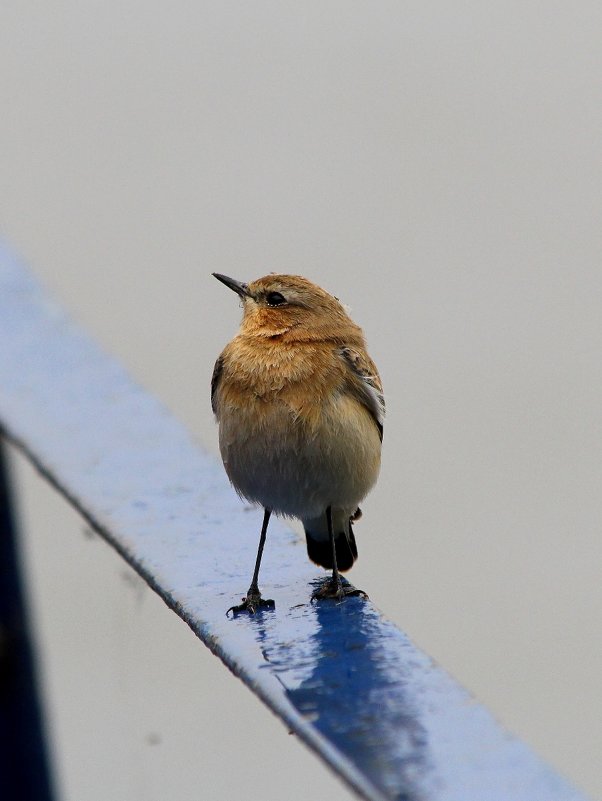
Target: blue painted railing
391,723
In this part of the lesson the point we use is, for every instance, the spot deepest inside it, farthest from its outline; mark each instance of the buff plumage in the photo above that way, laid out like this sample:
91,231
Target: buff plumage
300,410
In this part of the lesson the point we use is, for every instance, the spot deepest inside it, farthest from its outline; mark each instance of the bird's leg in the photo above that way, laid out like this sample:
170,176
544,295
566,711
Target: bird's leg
335,581
253,600
334,587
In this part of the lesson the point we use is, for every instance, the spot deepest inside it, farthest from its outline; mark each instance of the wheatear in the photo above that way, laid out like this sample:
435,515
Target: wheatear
300,410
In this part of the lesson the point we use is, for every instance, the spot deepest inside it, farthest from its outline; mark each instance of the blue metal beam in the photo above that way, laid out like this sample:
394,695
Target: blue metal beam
352,686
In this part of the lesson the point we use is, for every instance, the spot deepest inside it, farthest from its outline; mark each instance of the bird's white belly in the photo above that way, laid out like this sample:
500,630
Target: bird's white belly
297,470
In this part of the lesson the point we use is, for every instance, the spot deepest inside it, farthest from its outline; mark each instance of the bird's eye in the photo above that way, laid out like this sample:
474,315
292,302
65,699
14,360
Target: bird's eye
275,299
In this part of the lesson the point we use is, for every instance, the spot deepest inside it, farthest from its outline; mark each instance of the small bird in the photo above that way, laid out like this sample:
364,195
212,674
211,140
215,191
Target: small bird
300,409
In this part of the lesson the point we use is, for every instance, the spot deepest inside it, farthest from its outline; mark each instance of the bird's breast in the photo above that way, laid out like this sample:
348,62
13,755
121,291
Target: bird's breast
290,436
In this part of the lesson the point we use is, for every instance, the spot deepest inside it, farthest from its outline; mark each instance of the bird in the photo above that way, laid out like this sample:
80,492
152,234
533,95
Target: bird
300,409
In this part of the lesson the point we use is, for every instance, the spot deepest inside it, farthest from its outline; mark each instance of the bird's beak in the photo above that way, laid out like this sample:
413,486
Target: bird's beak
240,288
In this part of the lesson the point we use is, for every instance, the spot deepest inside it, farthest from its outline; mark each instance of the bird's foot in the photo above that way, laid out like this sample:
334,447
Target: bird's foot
251,603
332,588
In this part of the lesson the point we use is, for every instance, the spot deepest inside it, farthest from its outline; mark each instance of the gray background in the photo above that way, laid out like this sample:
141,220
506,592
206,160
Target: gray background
437,166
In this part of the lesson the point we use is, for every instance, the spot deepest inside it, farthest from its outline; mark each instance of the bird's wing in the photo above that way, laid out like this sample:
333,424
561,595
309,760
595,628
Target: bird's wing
215,379
364,382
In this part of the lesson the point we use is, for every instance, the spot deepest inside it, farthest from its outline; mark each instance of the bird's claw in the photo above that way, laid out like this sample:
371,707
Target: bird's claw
336,590
251,603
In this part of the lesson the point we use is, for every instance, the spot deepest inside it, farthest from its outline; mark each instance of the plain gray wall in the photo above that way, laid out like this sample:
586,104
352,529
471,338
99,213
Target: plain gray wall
437,166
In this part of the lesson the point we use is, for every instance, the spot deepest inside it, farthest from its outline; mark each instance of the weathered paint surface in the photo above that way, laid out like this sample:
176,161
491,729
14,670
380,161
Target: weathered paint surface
351,685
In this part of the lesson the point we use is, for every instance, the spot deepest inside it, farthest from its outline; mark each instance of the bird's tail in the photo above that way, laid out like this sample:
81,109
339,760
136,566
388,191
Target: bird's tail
319,549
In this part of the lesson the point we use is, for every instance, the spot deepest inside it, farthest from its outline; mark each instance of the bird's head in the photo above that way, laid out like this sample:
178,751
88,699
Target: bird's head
277,304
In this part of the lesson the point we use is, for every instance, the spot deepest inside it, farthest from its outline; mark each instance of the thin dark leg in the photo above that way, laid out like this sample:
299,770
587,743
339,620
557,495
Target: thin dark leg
253,600
334,587
336,576
264,531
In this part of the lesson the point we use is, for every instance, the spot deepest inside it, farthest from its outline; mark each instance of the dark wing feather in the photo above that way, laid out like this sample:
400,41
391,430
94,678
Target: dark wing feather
215,379
365,384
